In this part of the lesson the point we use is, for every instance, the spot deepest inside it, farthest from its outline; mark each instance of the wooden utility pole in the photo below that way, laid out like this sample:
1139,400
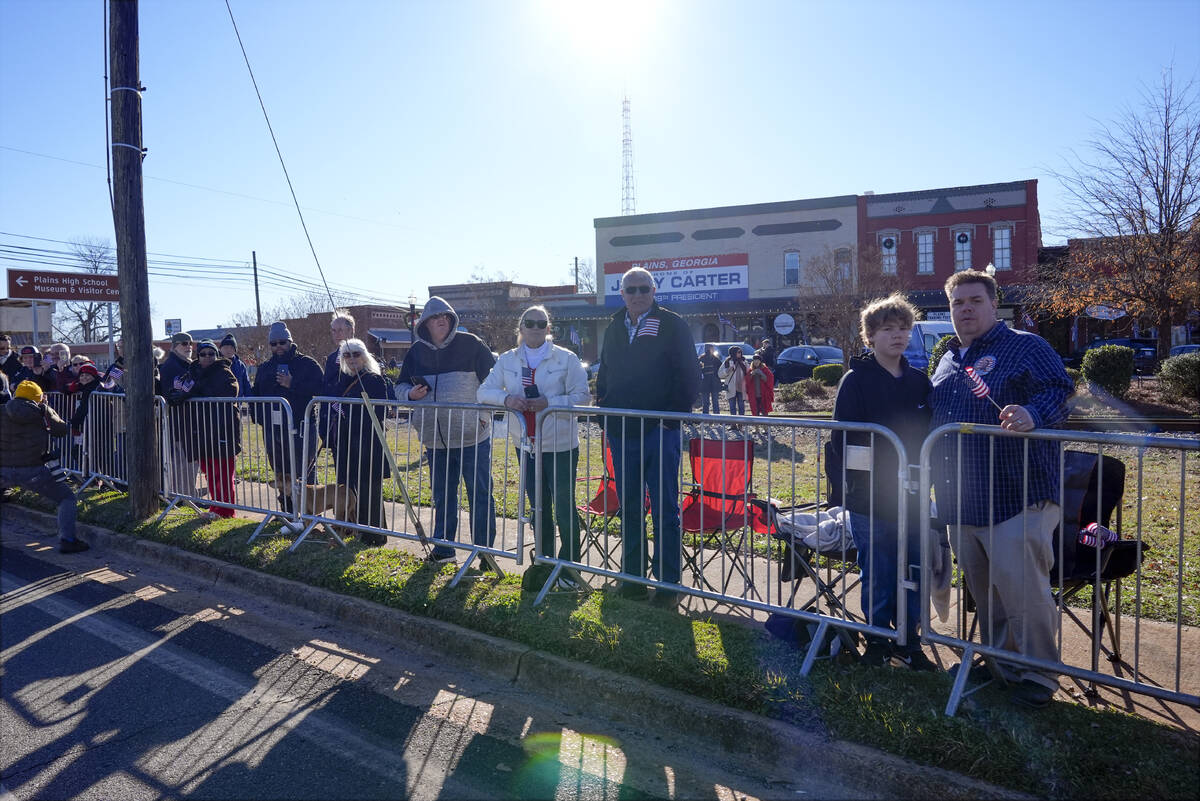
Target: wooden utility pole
257,306
141,444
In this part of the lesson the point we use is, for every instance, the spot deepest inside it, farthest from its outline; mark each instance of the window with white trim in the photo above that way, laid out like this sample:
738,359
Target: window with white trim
962,249
791,268
887,253
841,262
1002,247
924,252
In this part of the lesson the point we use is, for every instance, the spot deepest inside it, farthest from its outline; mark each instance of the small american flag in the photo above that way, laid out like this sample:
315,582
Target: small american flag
115,372
574,336
722,319
978,388
649,327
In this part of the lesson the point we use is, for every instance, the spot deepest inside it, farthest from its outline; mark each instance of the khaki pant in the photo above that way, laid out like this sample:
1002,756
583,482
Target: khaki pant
1008,572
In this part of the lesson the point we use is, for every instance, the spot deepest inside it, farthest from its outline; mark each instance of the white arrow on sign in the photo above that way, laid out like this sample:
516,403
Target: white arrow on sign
20,280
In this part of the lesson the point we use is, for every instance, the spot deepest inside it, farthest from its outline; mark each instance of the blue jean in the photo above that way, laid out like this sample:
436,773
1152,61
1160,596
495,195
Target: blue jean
40,480
449,466
284,452
877,558
646,457
711,399
737,404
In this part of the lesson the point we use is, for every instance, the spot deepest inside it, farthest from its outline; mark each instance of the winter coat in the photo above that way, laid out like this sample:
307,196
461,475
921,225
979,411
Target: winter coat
454,370
761,401
11,365
307,383
710,382
25,428
868,393
44,379
358,453
734,374
243,377
560,378
214,429
82,398
656,371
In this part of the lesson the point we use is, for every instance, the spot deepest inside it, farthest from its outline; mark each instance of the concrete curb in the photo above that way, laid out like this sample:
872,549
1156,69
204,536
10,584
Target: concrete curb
593,690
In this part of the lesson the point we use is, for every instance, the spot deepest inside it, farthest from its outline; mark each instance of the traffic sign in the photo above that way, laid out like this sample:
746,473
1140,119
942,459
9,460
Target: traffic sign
47,285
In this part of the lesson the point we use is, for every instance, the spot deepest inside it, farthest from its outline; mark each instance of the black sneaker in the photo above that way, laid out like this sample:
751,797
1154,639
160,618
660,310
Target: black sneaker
633,592
73,546
436,558
978,674
916,659
1030,693
876,654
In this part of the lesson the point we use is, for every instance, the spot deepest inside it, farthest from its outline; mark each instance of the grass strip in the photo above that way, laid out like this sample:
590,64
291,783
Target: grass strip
1064,751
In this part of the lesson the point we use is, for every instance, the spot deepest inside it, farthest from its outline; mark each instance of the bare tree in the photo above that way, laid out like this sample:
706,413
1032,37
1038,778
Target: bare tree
1135,197
307,316
583,278
833,292
87,321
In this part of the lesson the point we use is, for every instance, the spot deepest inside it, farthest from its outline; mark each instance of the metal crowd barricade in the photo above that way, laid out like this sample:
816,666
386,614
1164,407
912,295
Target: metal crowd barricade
70,448
1150,517
238,446
104,436
754,478
351,492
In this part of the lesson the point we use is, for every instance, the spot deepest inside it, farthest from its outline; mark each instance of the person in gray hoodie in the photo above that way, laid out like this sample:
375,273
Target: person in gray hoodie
446,365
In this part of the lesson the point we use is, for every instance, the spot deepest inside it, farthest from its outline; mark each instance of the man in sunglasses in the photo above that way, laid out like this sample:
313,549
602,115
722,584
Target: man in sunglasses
182,469
648,362
297,378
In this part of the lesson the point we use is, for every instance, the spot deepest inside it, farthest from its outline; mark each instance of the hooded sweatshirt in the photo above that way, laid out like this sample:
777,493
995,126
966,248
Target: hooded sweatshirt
454,370
23,432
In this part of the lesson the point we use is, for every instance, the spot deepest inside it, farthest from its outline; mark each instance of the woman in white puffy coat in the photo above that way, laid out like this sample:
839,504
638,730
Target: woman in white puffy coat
533,375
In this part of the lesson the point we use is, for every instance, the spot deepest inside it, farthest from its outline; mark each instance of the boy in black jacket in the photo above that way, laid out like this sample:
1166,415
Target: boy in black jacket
882,388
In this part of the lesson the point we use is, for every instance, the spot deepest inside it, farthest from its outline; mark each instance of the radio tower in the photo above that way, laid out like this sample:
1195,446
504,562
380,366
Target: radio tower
628,197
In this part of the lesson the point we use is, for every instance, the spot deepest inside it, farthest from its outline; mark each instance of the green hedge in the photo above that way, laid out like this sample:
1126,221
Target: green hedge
939,350
828,374
1076,375
1110,367
1180,376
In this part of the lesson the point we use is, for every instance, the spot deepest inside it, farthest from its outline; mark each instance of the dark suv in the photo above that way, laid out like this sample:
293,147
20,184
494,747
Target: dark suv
1145,353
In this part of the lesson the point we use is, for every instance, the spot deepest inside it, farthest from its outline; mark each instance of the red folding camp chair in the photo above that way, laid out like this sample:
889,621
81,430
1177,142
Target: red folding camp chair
597,513
724,511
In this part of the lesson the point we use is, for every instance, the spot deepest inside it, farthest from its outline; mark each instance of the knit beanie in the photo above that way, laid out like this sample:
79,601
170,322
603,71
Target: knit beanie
89,369
229,340
279,331
29,391
206,344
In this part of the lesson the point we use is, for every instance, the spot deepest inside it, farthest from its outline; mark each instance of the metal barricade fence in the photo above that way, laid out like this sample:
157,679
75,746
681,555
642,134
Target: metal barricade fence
104,436
467,456
70,446
745,491
241,446
1037,621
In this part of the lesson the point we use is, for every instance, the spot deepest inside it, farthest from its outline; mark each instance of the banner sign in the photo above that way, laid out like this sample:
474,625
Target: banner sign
685,279
173,325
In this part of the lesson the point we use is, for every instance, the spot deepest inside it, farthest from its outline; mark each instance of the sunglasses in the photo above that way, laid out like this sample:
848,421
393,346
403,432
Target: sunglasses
212,354
352,356
280,342
640,288
535,323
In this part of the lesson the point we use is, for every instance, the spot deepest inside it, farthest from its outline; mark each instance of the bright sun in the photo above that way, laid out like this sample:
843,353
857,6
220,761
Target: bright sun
611,32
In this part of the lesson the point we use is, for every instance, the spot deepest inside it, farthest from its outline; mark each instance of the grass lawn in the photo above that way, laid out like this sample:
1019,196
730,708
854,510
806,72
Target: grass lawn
1064,751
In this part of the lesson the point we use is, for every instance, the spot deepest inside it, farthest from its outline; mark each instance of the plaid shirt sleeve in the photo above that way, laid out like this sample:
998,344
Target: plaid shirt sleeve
992,479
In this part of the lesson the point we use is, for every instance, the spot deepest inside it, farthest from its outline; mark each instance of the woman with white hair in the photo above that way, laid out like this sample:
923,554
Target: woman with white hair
530,377
357,452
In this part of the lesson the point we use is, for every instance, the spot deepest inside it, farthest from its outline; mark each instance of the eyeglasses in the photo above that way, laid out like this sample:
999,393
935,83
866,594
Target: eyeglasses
277,343
208,354
644,289
352,356
535,323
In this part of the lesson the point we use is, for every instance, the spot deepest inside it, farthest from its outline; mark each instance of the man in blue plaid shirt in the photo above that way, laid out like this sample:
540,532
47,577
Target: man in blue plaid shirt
1000,499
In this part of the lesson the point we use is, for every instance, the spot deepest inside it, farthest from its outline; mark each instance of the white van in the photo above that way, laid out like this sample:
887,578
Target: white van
925,335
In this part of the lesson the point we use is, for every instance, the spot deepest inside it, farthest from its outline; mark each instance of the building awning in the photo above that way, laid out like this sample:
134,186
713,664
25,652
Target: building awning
391,336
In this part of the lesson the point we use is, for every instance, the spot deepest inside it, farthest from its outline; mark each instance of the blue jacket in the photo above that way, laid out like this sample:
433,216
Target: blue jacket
243,377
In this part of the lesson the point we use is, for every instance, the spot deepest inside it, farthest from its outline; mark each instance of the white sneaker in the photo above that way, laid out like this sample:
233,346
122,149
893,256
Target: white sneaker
292,528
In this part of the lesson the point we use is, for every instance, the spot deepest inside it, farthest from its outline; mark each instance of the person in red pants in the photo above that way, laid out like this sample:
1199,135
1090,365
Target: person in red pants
213,428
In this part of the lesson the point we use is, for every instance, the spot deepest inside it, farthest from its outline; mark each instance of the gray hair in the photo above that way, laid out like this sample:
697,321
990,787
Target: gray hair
543,310
344,317
357,346
59,347
641,271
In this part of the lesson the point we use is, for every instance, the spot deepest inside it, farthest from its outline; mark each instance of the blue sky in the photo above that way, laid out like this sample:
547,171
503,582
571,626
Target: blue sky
428,140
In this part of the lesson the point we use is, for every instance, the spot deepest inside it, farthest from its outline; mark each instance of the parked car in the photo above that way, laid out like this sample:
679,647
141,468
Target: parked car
723,349
797,362
925,335
1145,353
1179,350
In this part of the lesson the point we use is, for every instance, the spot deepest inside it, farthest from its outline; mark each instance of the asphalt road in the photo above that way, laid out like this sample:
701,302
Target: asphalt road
122,679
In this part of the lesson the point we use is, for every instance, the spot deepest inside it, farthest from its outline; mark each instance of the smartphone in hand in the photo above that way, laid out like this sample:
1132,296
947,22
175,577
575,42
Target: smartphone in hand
283,369
532,392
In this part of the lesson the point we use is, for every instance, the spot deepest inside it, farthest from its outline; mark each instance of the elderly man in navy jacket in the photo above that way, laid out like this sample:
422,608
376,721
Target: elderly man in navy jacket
648,363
